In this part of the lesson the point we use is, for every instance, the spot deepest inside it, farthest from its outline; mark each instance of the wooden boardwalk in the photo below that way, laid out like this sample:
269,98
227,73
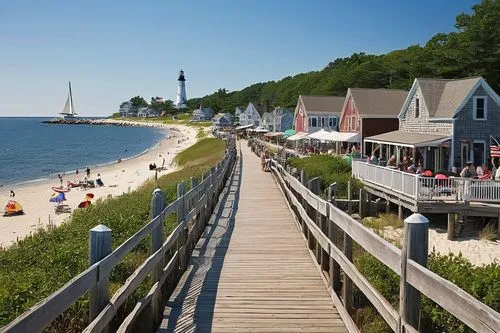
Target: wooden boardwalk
251,270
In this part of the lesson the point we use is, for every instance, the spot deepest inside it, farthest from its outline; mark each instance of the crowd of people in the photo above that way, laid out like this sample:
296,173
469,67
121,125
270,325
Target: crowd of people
409,165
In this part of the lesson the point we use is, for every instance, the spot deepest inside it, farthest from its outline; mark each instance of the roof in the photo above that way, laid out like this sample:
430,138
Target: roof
378,102
443,97
322,104
408,139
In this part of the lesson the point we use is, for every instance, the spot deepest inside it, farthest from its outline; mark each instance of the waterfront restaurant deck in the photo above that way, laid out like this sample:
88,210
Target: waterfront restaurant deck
430,195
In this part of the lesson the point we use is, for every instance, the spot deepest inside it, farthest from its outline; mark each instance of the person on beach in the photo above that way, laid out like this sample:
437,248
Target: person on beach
12,194
88,171
60,178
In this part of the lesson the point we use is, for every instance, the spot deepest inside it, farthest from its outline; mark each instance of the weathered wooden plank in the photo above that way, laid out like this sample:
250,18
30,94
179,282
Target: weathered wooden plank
374,244
44,312
107,264
103,319
167,271
469,310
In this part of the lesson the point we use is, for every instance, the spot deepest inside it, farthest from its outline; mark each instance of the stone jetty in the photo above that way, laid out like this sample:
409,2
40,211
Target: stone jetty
101,122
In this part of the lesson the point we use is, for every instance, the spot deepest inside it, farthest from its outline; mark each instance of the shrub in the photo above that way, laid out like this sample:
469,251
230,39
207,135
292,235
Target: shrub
489,232
331,169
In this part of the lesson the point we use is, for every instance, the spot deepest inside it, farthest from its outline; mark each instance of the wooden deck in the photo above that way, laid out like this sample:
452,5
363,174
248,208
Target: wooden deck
251,270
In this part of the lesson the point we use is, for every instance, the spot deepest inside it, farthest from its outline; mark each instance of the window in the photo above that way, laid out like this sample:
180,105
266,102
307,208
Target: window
314,122
465,153
332,122
352,127
323,122
417,108
479,108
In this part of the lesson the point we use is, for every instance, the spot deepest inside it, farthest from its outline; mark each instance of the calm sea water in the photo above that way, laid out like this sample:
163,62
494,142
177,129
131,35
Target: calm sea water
32,151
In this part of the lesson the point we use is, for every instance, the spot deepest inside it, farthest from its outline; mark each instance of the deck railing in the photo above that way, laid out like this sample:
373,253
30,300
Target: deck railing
323,225
193,210
427,188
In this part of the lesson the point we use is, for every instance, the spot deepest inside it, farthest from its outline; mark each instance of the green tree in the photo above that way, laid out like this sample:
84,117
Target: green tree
138,101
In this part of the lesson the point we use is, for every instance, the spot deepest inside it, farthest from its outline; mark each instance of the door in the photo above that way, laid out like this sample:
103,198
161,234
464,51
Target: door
479,152
465,153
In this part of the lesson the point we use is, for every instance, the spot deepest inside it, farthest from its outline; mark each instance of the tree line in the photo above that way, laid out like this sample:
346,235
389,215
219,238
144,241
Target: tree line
472,50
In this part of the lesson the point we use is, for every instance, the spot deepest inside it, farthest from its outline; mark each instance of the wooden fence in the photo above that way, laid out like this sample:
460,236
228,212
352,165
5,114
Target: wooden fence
193,210
323,225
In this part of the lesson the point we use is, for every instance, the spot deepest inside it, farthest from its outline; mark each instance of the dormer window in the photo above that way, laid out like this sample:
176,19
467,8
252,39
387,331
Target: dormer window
417,108
480,111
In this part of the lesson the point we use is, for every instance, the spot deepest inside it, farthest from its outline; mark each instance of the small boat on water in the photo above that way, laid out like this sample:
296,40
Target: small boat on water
69,107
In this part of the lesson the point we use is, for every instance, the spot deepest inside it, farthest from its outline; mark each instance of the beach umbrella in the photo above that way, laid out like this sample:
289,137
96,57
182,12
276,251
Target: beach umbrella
289,132
13,208
58,197
89,196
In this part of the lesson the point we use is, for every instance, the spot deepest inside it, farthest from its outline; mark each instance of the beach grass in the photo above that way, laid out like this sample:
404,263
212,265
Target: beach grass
41,263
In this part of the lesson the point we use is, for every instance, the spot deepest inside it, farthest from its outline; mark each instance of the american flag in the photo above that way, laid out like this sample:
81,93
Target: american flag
494,147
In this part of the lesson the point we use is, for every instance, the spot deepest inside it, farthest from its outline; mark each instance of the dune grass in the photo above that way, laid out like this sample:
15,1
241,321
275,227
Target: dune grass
40,264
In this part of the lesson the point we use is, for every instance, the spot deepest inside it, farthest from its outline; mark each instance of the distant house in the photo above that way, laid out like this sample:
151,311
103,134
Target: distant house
147,112
127,109
278,120
222,120
313,113
445,123
202,114
252,115
237,113
371,112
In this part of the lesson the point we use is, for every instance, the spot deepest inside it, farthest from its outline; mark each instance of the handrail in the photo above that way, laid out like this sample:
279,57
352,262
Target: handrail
427,188
469,310
44,312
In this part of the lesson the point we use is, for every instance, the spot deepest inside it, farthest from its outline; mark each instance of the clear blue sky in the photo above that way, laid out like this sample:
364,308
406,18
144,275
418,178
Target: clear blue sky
112,51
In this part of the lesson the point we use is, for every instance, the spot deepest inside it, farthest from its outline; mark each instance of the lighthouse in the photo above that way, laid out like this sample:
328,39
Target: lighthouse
181,100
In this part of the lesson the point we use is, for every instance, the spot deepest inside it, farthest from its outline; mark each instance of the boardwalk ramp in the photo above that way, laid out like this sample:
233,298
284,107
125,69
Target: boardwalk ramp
251,270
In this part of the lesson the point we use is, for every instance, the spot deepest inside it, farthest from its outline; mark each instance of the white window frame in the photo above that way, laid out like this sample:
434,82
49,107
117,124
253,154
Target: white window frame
314,119
474,107
484,150
417,107
352,126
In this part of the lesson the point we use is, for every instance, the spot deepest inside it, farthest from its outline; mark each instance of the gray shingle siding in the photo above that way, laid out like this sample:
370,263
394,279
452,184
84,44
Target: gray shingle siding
467,129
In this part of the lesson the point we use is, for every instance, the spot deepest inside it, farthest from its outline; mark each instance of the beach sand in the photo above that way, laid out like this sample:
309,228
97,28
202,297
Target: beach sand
118,178
478,252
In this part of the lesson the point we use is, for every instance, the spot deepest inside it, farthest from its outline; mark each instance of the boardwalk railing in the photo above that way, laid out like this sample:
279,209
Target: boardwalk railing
426,188
323,225
193,210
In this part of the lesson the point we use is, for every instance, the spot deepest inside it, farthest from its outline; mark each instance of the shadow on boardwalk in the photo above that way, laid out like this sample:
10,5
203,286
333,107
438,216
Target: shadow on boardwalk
191,306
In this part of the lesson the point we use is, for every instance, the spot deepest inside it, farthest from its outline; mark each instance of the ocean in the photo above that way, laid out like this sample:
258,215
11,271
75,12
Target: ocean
31,151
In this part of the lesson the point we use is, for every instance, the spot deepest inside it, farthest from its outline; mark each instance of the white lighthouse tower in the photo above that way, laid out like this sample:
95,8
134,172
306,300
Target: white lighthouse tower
181,100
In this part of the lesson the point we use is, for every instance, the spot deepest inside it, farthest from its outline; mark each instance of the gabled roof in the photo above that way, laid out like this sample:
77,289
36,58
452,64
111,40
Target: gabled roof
445,97
378,102
322,104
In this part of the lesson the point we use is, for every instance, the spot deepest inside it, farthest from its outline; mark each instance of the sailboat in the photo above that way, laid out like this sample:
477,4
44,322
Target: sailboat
69,107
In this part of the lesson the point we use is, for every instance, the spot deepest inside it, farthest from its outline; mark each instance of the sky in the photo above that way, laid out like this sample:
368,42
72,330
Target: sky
112,51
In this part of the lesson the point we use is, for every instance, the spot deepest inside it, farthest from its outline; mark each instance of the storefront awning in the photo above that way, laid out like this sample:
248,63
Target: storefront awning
298,136
273,134
243,127
342,137
407,139
318,135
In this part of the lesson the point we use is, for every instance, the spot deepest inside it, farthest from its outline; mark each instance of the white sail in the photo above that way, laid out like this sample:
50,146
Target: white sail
69,107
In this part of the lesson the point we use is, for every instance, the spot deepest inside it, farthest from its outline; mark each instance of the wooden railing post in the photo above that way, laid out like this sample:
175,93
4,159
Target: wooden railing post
415,247
347,282
332,235
181,243
157,206
314,186
349,197
303,201
99,247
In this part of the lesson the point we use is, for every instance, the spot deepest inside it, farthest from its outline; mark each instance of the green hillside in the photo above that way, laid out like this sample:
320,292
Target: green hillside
473,49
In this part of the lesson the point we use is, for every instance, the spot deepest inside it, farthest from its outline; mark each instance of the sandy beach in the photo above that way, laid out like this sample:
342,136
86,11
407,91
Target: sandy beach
478,252
118,178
